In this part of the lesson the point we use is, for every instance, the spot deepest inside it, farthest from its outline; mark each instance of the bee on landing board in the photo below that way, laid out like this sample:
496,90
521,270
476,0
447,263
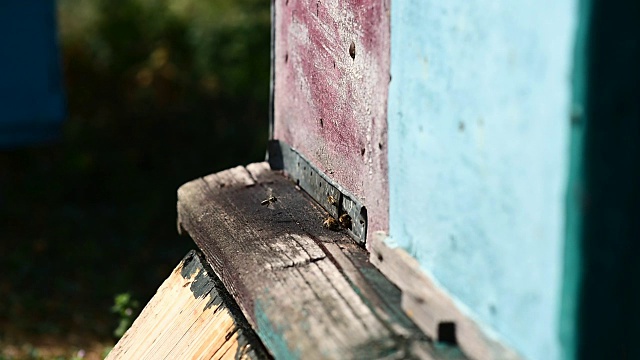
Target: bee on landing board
269,201
331,223
345,221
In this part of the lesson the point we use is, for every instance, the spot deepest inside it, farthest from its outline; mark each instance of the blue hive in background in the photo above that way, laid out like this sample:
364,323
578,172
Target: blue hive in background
32,103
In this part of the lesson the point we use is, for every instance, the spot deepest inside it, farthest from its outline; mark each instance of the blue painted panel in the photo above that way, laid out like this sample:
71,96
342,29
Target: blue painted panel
32,103
479,108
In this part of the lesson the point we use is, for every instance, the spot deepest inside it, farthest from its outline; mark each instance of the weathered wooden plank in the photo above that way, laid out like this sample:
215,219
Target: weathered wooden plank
190,317
330,93
431,308
302,293
351,260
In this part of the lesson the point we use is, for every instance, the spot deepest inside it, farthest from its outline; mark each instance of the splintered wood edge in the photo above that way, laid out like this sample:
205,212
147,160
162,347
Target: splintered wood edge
300,286
190,316
428,305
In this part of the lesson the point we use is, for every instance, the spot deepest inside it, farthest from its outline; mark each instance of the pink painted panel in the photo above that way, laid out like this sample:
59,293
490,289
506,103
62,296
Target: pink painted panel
330,92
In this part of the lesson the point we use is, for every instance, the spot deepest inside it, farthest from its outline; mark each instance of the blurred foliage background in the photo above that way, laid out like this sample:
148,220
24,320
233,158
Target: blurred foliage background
159,92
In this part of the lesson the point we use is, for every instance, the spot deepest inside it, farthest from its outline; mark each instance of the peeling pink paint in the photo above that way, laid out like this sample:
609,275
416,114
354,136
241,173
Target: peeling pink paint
332,107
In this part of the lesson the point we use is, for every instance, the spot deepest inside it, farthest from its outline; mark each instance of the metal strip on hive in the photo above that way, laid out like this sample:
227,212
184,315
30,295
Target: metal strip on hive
330,195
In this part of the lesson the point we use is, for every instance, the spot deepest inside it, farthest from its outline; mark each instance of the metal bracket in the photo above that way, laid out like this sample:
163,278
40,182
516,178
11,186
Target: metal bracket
326,192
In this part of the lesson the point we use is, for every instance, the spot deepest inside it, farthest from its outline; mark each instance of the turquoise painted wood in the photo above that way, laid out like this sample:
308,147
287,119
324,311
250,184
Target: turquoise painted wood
32,104
479,116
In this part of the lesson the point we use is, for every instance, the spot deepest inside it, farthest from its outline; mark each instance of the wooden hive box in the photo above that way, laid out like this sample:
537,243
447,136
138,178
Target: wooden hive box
443,181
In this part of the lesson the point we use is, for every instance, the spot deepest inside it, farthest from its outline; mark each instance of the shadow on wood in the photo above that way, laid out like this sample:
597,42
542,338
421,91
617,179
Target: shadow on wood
308,291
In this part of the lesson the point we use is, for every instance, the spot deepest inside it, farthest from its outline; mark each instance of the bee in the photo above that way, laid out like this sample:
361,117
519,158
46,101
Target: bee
331,223
270,200
332,200
345,221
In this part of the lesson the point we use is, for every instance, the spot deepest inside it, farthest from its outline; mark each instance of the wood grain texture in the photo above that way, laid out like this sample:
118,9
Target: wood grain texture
309,292
190,317
331,82
431,307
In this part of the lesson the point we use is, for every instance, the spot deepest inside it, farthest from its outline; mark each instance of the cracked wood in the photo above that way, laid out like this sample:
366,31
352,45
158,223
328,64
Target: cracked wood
306,290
